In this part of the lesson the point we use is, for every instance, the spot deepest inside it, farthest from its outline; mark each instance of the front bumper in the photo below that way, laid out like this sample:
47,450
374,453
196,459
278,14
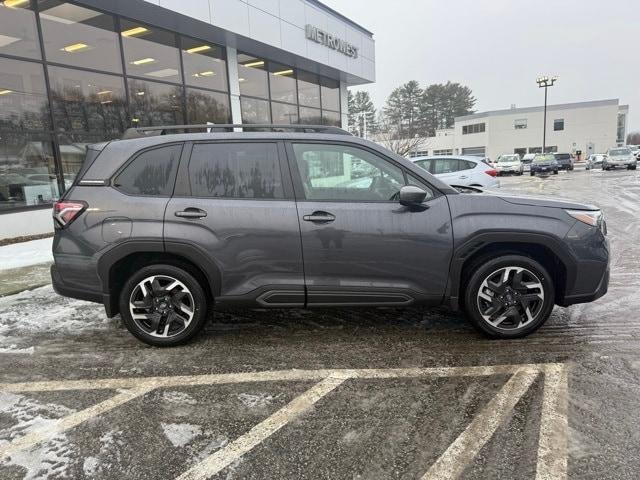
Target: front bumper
601,289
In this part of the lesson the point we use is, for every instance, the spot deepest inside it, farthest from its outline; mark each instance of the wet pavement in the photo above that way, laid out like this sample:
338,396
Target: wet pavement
393,393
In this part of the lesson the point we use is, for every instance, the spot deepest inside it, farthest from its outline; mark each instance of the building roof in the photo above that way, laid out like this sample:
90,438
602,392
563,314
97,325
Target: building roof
338,14
559,106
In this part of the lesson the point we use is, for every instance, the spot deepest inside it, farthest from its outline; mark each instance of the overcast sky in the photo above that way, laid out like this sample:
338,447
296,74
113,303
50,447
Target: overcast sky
499,47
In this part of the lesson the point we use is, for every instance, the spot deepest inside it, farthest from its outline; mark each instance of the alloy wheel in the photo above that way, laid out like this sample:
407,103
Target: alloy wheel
162,306
510,298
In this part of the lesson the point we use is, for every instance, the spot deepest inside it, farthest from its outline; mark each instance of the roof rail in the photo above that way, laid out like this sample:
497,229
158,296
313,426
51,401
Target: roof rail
138,132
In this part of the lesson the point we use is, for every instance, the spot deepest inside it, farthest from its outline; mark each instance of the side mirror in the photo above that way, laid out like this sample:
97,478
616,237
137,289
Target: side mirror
412,196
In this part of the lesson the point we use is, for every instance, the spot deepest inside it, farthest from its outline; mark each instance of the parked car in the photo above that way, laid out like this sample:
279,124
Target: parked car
509,163
565,161
635,151
619,157
268,220
526,161
544,163
465,171
594,161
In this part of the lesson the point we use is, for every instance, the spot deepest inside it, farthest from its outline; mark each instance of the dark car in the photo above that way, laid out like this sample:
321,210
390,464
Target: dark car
544,163
162,229
565,161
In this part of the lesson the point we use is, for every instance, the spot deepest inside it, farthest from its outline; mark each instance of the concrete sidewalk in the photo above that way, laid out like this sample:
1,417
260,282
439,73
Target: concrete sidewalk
25,265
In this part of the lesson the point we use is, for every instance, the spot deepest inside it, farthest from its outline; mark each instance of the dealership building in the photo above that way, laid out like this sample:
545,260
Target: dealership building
586,127
75,73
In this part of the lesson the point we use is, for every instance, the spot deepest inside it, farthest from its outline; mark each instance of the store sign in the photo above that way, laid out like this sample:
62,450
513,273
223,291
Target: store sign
331,41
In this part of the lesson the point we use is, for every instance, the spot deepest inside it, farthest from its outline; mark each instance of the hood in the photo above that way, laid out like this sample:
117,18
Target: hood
515,163
547,202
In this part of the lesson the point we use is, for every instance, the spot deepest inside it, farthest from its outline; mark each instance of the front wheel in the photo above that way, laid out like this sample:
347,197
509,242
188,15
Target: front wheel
555,172
631,167
163,305
509,297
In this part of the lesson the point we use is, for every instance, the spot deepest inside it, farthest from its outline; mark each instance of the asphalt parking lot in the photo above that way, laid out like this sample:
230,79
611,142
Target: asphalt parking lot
364,394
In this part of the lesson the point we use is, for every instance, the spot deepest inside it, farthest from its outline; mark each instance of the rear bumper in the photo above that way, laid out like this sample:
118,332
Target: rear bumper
62,288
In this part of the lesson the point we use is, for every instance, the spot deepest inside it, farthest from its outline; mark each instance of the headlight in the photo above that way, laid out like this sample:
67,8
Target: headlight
590,217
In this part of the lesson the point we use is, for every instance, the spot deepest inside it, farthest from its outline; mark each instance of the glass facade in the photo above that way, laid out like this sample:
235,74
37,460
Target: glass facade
271,92
72,75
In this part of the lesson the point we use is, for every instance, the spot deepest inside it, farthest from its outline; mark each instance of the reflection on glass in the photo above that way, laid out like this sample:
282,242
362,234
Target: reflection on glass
331,118
23,100
27,170
282,82
284,113
252,76
255,111
18,34
308,89
79,36
330,94
310,116
150,52
88,102
73,149
204,106
204,64
155,103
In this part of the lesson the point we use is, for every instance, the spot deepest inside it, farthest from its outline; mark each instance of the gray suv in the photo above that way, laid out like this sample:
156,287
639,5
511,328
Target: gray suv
164,228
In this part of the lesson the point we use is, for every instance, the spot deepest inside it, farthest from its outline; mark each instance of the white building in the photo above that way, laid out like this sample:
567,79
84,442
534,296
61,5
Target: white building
588,127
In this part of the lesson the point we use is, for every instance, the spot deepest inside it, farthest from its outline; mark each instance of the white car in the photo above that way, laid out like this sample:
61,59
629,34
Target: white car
464,171
509,163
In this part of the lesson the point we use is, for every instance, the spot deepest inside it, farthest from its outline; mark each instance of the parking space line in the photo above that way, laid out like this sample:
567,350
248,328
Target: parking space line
554,425
264,376
229,454
454,460
70,421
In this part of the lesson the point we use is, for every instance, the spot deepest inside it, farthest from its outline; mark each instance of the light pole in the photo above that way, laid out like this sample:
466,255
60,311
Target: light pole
545,82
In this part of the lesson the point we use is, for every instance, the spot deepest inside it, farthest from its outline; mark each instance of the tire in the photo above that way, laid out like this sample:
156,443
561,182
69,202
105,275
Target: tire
149,289
531,174
555,172
539,291
631,167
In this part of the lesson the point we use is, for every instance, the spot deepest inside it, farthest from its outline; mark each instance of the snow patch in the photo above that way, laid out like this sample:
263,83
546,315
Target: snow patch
25,254
49,459
180,434
13,348
90,466
256,401
181,398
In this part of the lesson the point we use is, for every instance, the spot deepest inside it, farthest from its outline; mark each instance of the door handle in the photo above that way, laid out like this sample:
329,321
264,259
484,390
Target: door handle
191,213
463,176
319,217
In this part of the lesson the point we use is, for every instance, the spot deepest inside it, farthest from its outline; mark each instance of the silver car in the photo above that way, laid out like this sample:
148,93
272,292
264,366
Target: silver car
619,157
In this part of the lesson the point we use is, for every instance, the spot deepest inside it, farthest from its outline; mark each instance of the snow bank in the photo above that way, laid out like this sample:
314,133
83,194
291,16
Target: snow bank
26,254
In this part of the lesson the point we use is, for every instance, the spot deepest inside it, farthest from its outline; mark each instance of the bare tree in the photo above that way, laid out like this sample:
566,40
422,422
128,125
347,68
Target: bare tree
393,138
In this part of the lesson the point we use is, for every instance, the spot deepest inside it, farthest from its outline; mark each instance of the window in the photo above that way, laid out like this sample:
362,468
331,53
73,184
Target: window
23,97
336,172
425,164
235,170
73,150
473,128
155,103
282,83
310,116
254,110
520,124
535,149
252,76
446,165
551,149
150,52
331,118
419,153
520,151
204,64
330,91
284,113
18,34
27,170
79,36
88,102
443,152
151,173
308,89
204,106
475,151
558,124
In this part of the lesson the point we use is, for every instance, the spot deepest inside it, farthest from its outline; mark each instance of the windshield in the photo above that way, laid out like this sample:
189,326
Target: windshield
543,158
508,158
619,151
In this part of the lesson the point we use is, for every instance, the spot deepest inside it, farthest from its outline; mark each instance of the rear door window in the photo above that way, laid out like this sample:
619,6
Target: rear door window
446,165
151,173
236,170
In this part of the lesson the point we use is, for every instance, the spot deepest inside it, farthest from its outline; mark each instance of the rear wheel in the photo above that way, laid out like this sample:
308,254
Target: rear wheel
163,305
631,167
509,297
555,172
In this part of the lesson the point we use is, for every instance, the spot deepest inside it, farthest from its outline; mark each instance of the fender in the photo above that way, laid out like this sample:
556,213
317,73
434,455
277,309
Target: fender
484,238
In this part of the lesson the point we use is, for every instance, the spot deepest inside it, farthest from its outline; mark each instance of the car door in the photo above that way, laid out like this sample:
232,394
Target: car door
234,206
448,170
360,246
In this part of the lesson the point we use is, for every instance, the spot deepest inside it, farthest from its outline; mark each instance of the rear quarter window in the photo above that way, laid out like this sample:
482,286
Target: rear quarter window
151,173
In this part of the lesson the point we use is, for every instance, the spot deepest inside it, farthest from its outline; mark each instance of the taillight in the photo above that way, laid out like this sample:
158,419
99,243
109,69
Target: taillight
491,172
65,212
